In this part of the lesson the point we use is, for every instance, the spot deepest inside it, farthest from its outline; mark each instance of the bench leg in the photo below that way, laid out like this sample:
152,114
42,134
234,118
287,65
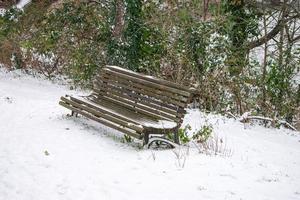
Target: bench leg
176,137
146,138
74,114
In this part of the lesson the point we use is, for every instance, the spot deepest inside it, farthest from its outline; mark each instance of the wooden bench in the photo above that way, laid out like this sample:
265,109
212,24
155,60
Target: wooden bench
133,103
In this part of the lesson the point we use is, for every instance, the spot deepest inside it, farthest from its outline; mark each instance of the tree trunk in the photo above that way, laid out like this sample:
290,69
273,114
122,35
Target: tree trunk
264,73
119,19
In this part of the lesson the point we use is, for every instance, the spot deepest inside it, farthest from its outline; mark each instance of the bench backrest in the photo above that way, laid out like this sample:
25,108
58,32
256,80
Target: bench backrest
149,95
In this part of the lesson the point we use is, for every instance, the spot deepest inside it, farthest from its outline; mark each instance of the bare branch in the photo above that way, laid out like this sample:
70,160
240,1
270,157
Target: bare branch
295,39
279,26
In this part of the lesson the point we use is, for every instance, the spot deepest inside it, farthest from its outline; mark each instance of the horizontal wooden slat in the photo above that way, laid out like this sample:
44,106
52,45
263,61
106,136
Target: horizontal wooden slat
90,104
137,98
123,84
148,83
103,121
163,93
133,97
117,87
128,106
130,101
149,78
121,114
103,115
145,87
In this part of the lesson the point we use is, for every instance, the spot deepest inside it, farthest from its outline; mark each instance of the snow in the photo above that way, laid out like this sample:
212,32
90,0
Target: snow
162,123
46,155
296,79
2,11
23,3
128,71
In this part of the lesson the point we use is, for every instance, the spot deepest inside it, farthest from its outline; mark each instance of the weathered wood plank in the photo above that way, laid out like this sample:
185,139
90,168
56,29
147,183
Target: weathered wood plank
146,82
134,94
103,121
171,114
108,103
96,107
104,115
128,86
121,84
144,86
149,78
147,88
138,107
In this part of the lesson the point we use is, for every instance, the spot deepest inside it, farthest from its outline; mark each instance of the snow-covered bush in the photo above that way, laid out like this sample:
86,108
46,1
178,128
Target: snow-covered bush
183,134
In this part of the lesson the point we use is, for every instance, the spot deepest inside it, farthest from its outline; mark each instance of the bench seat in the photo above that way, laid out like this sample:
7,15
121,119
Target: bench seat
106,110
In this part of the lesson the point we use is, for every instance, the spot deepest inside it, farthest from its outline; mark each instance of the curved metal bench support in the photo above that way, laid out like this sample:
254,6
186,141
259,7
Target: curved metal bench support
159,141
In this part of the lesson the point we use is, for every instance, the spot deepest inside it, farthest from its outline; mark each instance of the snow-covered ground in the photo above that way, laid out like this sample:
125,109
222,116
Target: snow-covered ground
45,155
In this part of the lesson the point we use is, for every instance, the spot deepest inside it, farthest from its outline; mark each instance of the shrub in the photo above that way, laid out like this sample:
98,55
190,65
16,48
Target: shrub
127,139
203,134
183,134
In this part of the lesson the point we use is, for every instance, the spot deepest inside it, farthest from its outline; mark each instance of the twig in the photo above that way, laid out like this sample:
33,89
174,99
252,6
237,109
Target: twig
281,122
232,115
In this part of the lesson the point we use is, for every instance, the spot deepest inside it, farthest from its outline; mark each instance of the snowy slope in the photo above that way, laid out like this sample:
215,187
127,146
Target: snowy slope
45,156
